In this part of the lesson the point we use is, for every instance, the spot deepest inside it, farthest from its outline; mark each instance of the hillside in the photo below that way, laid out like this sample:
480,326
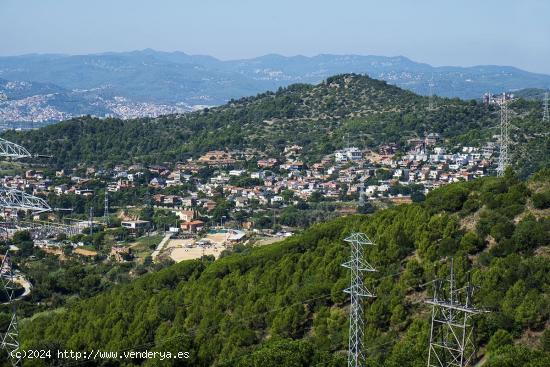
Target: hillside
364,111
531,94
43,103
163,80
283,305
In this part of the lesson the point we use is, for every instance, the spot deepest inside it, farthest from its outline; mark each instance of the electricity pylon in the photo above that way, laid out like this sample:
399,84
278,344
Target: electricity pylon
503,159
451,332
12,150
545,116
16,151
357,290
10,339
16,199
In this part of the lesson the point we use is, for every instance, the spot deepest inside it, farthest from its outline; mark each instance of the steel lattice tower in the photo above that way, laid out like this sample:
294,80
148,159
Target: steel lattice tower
10,339
451,332
504,138
357,290
545,116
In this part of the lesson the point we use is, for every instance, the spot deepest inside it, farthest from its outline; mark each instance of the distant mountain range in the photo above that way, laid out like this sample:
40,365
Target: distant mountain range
44,88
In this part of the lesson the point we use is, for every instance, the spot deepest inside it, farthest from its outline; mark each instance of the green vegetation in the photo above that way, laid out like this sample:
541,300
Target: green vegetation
369,111
62,276
283,305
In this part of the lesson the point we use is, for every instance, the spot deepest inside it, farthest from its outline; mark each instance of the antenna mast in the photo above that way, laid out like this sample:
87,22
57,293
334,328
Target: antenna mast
357,290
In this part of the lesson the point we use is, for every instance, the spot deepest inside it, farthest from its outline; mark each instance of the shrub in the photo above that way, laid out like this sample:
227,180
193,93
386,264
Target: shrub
500,339
541,200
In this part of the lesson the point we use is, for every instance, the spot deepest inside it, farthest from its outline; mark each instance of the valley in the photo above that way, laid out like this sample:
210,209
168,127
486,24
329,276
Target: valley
274,183
221,231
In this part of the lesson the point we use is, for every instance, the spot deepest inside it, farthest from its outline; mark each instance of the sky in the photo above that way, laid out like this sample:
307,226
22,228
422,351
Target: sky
438,32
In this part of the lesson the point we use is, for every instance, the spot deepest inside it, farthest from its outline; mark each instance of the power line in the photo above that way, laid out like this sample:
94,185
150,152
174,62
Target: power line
15,199
192,332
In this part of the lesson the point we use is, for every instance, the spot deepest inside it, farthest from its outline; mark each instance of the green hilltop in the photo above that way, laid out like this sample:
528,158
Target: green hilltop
365,111
283,305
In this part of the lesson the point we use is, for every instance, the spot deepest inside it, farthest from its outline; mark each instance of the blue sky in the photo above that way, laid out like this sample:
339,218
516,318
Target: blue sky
439,32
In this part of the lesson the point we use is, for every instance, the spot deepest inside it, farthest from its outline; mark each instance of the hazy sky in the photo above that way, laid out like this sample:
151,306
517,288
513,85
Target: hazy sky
439,32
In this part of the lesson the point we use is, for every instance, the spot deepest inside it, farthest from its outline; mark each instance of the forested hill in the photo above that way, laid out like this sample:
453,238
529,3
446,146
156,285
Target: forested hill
366,111
283,305
270,119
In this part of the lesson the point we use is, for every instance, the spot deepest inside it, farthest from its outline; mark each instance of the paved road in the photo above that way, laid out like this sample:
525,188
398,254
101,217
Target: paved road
26,284
161,246
19,279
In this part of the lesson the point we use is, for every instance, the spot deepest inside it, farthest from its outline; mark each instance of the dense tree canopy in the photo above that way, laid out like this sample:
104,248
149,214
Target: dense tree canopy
282,304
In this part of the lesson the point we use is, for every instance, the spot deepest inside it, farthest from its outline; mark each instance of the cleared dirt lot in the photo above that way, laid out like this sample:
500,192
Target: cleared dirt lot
187,250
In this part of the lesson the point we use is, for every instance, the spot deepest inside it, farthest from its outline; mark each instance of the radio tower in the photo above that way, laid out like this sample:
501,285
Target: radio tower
10,339
357,290
545,117
451,333
106,209
504,138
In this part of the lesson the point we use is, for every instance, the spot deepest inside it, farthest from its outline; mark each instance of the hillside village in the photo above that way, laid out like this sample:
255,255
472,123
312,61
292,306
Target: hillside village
248,187
258,184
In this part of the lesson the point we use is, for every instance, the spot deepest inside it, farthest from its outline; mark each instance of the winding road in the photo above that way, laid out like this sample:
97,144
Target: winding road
27,286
